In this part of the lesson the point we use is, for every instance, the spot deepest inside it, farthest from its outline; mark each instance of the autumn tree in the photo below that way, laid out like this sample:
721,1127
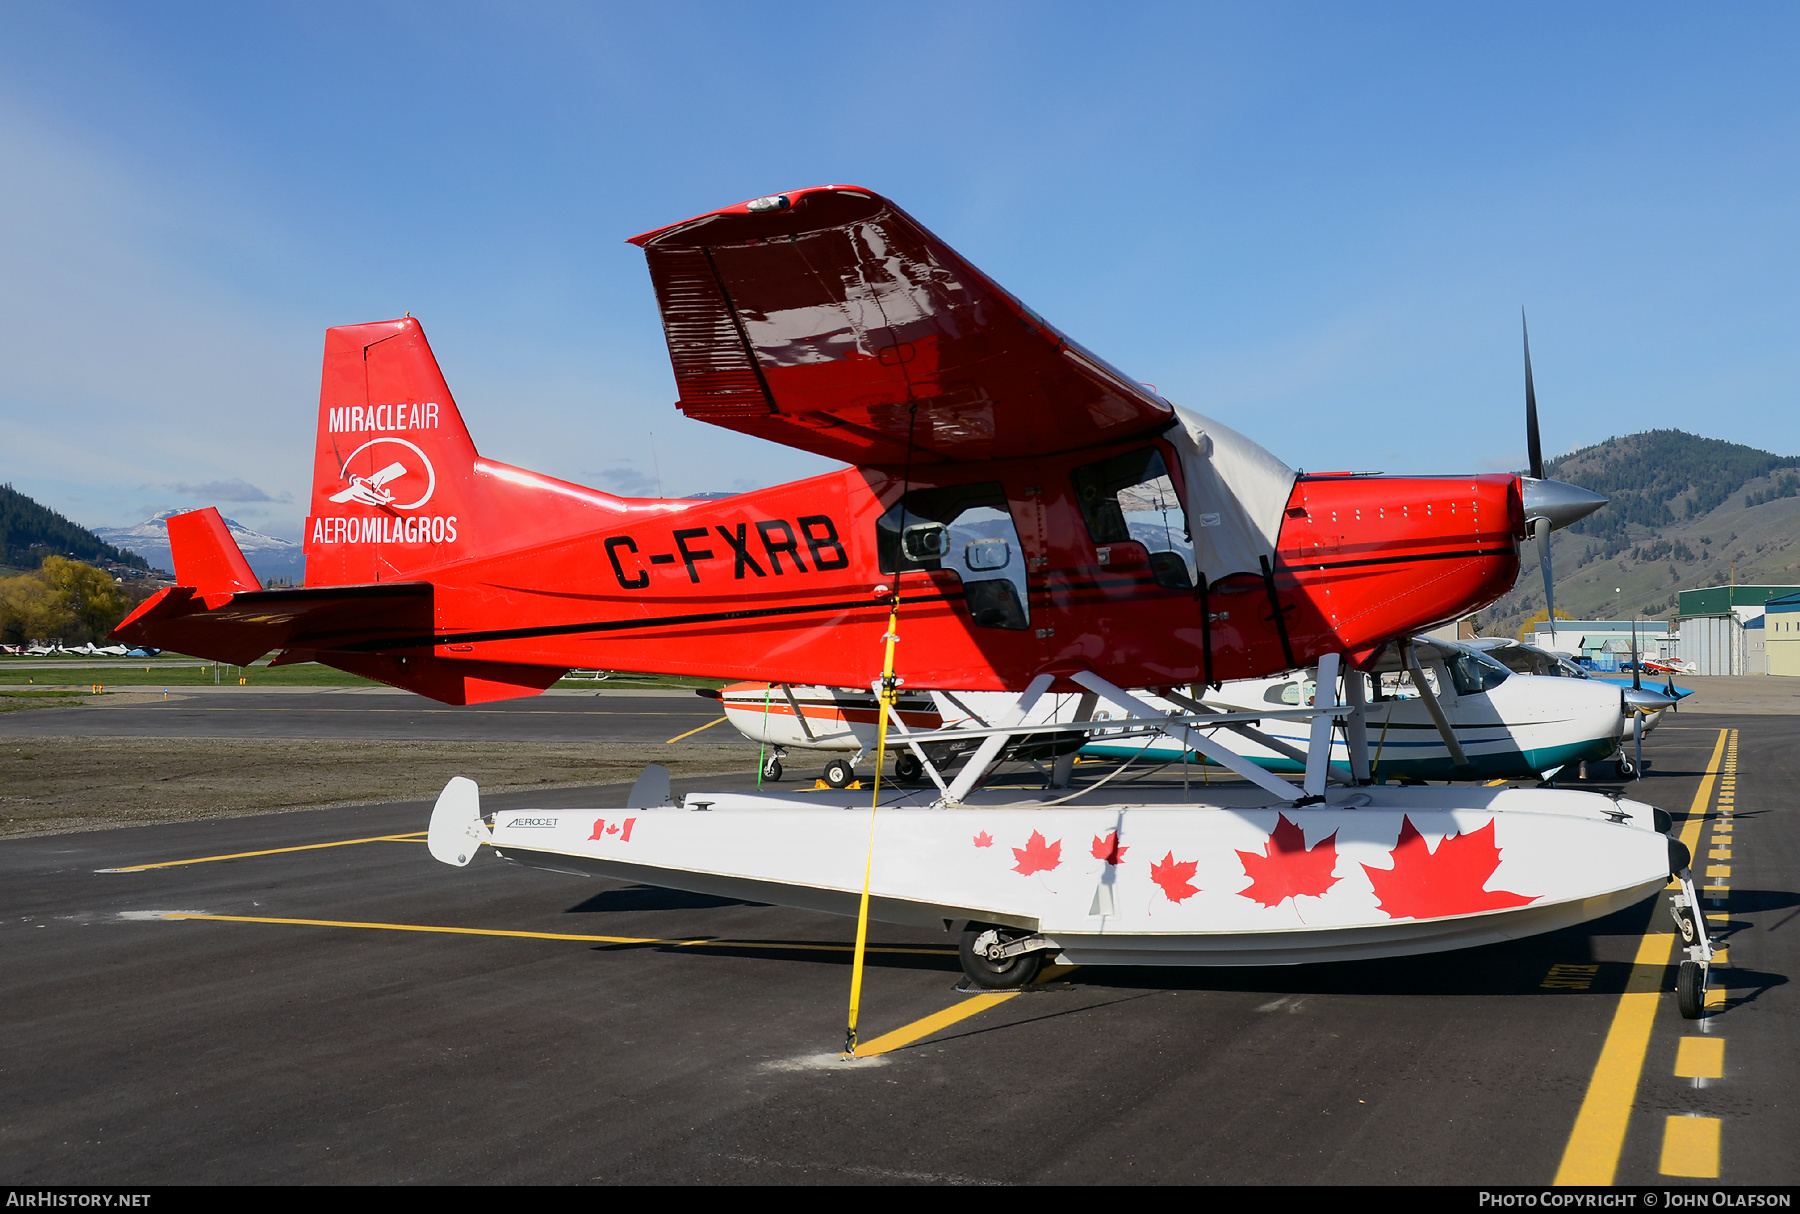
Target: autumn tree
1540,616
63,601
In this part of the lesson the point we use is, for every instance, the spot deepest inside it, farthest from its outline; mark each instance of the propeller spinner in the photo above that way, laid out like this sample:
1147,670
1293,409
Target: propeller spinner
1549,505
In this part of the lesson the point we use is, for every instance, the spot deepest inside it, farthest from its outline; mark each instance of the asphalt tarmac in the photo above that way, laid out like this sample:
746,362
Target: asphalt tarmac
376,714
323,1027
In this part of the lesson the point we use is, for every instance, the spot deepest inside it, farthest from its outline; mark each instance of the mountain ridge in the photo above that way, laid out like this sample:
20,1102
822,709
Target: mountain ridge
30,531
1686,512
272,558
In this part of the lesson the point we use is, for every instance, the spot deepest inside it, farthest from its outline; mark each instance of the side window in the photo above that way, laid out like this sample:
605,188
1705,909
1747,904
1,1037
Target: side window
1130,497
967,529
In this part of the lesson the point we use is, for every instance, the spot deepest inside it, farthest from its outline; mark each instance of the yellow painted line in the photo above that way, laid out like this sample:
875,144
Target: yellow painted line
1591,1156
1721,958
413,837
907,1034
955,1013
1715,996
1690,1147
694,942
690,733
1701,1058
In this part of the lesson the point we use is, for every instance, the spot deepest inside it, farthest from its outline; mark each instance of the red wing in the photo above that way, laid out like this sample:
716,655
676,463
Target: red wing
819,319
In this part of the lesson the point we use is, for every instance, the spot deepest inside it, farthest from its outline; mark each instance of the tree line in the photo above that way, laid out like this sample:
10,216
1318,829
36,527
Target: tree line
62,600
1661,477
30,532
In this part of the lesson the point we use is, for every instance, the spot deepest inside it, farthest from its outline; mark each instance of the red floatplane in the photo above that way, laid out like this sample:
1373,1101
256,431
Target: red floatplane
1033,519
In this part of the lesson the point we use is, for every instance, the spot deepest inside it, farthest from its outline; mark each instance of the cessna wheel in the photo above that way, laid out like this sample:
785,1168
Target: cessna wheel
1003,975
1627,769
908,767
839,773
772,769
1690,990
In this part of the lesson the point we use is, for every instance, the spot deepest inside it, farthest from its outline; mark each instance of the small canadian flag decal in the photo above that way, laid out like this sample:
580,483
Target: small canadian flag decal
604,829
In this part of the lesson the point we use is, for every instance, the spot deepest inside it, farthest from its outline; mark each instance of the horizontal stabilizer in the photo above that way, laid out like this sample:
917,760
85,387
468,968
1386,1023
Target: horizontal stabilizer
206,557
341,626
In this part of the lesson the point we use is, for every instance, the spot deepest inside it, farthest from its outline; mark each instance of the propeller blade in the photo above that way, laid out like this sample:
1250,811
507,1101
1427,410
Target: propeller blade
1542,528
1532,443
1636,682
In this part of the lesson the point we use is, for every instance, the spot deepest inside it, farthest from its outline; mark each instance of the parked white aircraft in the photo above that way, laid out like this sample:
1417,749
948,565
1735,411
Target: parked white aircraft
1507,727
842,723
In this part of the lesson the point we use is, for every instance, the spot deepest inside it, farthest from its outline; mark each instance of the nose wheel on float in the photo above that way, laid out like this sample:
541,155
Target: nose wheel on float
1691,979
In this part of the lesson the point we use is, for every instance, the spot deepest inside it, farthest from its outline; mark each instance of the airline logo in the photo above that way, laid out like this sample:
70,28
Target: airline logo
392,475
400,464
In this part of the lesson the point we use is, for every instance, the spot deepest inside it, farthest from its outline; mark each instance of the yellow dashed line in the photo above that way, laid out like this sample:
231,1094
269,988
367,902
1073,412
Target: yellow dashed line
1701,1058
1591,1156
1690,1147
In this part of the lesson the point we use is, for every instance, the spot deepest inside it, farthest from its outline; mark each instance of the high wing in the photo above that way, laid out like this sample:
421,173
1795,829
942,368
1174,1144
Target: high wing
821,318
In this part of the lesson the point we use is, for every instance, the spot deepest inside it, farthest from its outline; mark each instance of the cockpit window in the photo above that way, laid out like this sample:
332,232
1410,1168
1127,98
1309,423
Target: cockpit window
1131,497
1524,659
967,529
1473,672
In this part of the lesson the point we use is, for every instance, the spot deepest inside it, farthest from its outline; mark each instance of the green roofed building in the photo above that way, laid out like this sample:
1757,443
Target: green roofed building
1723,630
1745,602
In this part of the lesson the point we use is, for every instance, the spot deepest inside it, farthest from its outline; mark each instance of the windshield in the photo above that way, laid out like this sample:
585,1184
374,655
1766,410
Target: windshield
1527,659
1474,672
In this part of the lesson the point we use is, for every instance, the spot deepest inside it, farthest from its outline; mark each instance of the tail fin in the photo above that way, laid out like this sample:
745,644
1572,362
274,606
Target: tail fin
206,557
398,487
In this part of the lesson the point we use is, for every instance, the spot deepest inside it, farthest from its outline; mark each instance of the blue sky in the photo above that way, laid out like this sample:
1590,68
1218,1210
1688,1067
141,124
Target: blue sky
1315,222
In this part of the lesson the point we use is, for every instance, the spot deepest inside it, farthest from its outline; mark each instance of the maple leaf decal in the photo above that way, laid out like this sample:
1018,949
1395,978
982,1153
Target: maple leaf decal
1175,877
1428,885
1286,868
1106,847
984,840
1037,856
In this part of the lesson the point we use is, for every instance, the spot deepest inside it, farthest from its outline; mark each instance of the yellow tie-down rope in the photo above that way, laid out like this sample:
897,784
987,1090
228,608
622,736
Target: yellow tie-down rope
888,695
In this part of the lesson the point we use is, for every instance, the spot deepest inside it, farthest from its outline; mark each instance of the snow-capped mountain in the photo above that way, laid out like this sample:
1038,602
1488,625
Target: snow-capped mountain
270,557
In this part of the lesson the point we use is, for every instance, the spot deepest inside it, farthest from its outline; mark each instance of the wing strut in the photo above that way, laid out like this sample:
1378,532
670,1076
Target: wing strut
1432,706
1223,755
1245,729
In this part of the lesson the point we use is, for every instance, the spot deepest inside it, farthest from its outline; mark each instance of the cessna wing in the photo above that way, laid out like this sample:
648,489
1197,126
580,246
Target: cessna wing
828,319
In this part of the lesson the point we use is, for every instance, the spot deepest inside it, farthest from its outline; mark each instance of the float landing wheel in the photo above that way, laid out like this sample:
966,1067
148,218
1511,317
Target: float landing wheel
1006,974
